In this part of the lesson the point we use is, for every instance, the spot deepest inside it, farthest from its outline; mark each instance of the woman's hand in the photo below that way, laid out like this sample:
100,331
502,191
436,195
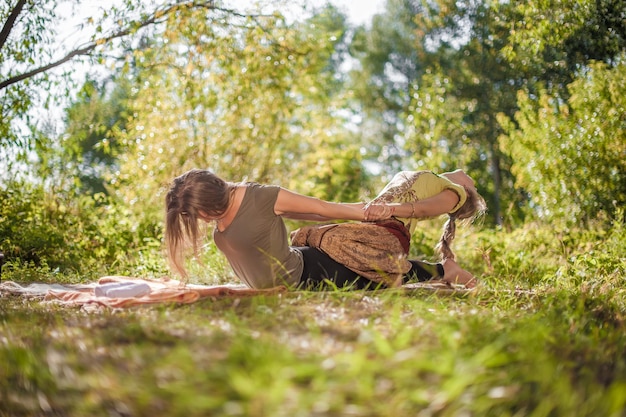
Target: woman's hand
374,212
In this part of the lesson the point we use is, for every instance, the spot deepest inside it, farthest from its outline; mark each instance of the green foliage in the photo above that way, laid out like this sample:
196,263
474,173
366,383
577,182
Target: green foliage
390,58
434,75
18,53
332,171
74,234
570,156
470,60
551,40
251,99
88,146
35,41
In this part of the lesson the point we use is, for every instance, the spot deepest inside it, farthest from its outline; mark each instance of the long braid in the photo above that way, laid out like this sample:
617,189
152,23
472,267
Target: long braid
473,208
444,246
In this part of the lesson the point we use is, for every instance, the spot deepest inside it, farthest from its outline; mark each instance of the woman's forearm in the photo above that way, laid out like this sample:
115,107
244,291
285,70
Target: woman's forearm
442,203
299,207
335,211
437,205
355,209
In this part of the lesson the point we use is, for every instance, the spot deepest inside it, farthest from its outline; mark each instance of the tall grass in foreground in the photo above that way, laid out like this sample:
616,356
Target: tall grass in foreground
545,336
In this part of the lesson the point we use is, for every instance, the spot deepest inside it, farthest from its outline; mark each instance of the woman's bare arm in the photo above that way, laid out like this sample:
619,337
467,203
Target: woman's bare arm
300,207
439,204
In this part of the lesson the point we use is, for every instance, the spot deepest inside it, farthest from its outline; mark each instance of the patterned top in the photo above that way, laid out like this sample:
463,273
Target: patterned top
408,186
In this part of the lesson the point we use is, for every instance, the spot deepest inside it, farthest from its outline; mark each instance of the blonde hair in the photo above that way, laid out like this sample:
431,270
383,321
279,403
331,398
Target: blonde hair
473,208
192,196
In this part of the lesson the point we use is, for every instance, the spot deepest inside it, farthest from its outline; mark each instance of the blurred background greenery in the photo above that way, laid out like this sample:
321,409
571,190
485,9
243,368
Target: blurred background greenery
529,98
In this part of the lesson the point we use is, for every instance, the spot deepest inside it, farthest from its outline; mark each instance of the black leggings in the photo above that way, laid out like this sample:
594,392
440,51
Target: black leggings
321,272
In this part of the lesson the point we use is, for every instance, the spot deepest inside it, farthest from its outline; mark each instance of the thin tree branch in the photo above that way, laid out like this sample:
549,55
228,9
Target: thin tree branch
158,17
9,24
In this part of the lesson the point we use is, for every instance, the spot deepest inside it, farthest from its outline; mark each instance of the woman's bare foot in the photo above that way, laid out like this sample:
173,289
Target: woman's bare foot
455,275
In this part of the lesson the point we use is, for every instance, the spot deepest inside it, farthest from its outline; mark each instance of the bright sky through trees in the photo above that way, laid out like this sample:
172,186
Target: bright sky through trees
360,12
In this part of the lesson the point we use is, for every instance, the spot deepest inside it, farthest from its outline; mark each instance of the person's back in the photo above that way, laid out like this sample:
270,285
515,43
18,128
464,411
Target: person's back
255,242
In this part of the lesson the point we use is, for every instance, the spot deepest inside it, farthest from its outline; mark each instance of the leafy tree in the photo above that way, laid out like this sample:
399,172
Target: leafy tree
551,40
389,58
555,55
472,59
451,119
330,164
429,76
571,157
15,55
252,100
88,148
31,48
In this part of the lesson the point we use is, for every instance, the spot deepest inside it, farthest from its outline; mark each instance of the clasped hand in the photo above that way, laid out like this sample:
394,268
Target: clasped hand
374,212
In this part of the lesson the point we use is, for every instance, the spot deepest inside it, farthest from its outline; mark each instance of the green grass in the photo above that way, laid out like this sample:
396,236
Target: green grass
558,348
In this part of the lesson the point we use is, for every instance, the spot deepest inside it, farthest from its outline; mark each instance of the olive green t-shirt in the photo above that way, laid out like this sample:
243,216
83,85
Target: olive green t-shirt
256,242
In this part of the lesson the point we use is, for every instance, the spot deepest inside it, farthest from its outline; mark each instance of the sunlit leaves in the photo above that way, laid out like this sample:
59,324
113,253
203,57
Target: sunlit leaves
38,39
27,44
551,40
436,130
89,146
246,97
571,156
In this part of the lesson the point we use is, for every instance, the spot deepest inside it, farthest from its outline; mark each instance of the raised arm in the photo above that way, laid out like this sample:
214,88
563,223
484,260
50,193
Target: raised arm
300,207
439,204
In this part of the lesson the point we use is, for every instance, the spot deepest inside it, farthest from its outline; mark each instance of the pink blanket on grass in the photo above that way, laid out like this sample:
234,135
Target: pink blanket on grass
129,292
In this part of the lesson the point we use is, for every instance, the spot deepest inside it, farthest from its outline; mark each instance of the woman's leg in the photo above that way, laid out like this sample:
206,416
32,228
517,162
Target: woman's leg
448,271
423,271
320,268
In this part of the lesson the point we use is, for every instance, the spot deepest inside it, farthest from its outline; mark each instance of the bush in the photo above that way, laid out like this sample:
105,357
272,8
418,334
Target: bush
570,156
76,234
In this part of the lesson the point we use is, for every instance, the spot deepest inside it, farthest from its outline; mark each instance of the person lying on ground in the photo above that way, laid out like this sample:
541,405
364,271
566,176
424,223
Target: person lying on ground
378,252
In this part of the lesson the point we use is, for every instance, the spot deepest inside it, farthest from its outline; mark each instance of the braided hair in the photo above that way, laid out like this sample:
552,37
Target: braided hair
473,208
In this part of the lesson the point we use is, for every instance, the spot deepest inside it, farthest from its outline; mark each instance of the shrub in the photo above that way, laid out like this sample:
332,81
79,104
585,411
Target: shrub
80,234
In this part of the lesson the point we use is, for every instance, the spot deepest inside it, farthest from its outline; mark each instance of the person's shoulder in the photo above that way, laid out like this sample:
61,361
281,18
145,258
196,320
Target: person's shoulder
260,190
258,186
